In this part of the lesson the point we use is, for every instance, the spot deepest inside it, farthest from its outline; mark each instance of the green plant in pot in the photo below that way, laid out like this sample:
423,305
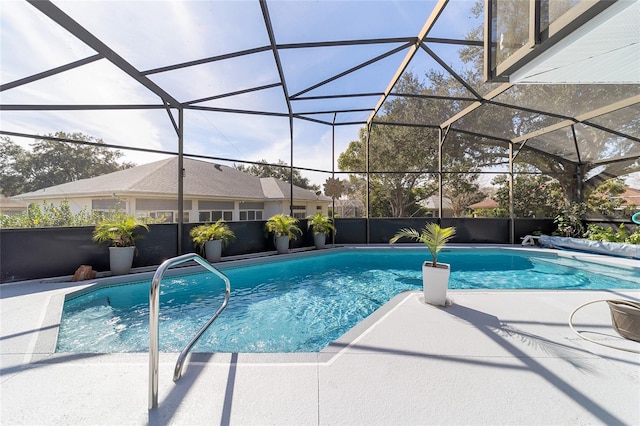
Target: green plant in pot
119,230
435,276
284,229
212,238
321,226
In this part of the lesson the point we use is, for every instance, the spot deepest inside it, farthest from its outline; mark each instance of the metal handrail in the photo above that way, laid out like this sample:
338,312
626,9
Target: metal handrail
154,325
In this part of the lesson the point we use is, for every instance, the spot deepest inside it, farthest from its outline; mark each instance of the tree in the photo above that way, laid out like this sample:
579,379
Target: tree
403,160
461,186
53,162
402,155
534,195
14,160
397,177
279,171
565,99
600,199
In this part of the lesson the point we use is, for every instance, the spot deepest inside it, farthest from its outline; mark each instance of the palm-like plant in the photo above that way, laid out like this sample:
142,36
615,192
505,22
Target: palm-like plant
118,230
213,231
283,225
320,224
432,235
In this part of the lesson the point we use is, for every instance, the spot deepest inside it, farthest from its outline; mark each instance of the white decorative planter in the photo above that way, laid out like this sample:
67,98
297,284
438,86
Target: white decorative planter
435,282
282,244
121,259
213,250
319,240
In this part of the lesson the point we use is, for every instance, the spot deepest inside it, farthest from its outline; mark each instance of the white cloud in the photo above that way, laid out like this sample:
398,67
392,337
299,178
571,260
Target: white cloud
33,43
158,33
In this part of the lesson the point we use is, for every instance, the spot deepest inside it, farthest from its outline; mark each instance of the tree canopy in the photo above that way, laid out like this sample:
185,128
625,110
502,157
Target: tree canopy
280,171
535,195
52,162
403,159
553,101
402,153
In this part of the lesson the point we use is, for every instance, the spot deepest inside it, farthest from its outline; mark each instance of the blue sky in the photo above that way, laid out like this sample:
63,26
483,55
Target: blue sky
151,34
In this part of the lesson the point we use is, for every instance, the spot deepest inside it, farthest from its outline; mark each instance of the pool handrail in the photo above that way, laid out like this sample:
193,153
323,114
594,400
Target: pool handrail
154,325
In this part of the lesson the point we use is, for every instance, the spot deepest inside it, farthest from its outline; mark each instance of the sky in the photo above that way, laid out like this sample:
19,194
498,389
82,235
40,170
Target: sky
154,34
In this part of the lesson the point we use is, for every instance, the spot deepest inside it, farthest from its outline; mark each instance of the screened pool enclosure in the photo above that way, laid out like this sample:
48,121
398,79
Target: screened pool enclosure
388,98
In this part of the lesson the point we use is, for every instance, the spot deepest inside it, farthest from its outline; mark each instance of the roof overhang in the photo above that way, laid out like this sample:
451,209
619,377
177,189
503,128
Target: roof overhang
606,49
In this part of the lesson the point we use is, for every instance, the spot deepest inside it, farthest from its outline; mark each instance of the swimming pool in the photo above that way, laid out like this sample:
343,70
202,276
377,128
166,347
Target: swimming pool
303,304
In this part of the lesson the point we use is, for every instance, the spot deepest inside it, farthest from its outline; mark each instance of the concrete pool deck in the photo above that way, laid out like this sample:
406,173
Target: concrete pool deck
491,357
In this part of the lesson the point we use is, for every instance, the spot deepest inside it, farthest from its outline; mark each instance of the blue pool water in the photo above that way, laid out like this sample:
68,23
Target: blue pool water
303,304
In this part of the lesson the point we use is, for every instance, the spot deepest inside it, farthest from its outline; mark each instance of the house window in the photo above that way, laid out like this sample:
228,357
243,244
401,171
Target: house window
299,212
251,214
108,205
162,216
517,32
212,211
164,211
251,211
215,215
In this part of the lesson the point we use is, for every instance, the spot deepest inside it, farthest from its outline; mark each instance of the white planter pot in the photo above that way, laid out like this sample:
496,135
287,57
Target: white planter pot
319,239
213,250
282,244
435,282
121,259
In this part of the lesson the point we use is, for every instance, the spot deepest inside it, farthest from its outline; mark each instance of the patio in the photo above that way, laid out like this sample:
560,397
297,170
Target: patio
328,77
492,357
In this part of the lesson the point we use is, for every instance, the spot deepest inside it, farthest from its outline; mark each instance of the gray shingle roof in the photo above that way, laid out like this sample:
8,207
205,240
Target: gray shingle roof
433,202
160,178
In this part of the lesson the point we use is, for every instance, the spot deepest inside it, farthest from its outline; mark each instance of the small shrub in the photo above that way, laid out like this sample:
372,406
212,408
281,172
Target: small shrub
569,222
634,238
600,233
118,230
213,231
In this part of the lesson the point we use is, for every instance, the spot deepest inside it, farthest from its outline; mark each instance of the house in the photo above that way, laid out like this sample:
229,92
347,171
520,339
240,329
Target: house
432,206
10,206
211,191
349,208
485,208
630,198
487,203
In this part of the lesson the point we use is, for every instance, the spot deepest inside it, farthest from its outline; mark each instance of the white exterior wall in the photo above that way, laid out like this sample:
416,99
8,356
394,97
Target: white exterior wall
283,207
312,208
193,214
270,207
275,207
77,204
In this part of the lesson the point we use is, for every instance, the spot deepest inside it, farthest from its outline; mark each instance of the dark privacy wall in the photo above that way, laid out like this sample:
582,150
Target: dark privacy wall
54,252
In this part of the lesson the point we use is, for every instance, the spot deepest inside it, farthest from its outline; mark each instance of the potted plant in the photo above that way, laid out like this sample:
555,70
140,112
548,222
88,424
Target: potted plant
284,228
212,238
118,230
321,226
435,276
625,317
